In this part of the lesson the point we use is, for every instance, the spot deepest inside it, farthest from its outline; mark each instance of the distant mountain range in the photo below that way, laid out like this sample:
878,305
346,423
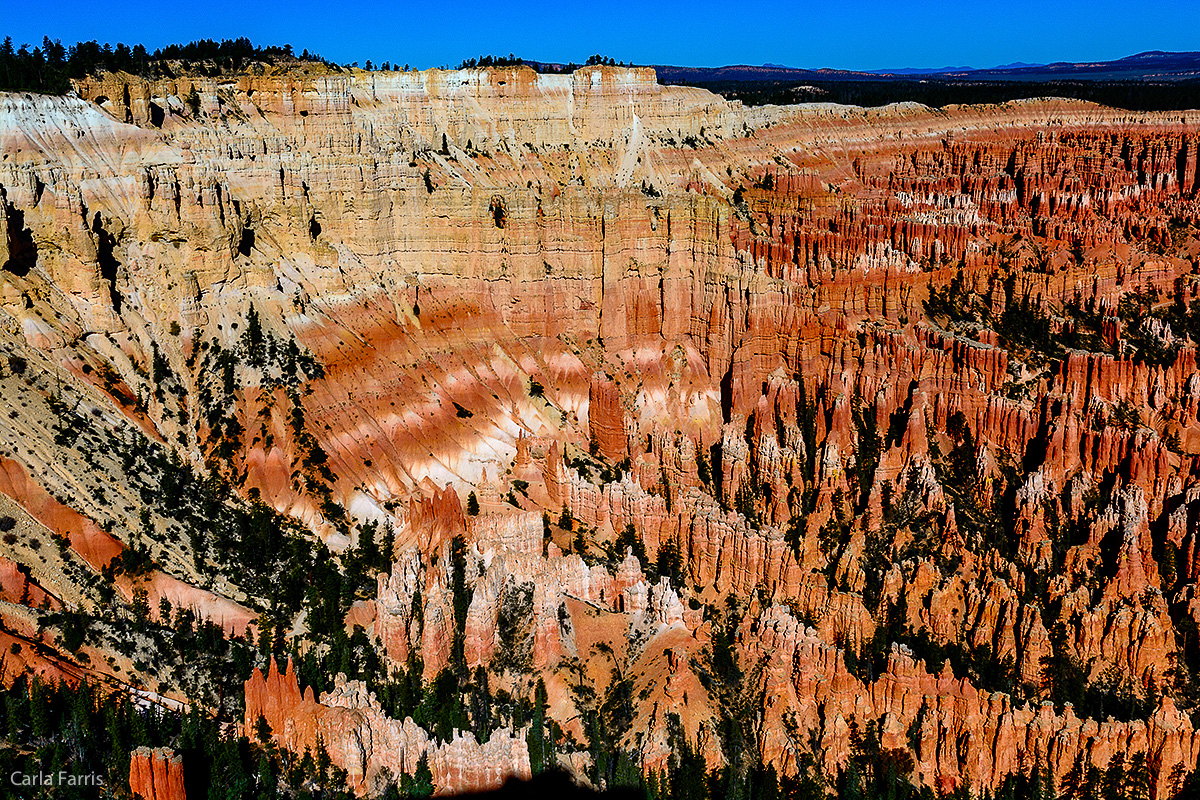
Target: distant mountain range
1155,65
906,71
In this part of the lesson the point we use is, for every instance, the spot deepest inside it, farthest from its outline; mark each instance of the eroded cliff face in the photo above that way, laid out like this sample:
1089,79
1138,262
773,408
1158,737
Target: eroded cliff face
156,774
360,738
898,407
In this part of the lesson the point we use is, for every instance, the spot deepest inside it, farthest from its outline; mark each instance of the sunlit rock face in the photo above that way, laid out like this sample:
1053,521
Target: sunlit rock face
156,774
892,407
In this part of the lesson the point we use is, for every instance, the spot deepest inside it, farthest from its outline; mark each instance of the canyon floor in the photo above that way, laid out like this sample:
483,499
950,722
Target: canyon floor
428,429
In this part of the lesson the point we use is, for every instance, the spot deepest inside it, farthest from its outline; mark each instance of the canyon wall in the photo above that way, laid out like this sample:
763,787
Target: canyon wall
156,775
855,381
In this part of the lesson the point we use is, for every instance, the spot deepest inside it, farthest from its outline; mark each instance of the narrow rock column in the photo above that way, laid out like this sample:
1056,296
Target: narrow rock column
156,774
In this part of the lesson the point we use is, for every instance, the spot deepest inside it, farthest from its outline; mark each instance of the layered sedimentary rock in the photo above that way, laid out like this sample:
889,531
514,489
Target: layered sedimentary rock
858,381
956,732
359,737
606,418
156,774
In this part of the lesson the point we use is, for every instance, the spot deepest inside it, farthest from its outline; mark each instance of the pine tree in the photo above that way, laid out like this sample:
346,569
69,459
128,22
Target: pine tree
541,749
481,706
40,723
688,779
1072,783
1112,787
630,540
253,338
421,784
852,788
1138,779
262,729
627,773
462,602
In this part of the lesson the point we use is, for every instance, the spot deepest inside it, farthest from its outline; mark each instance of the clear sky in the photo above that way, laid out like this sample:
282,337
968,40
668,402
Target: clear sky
846,34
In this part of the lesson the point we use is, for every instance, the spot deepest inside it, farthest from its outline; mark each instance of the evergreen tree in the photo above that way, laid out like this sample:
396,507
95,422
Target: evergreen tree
420,783
688,776
253,338
541,749
852,787
629,539
480,703
461,602
1112,787
1138,779
40,723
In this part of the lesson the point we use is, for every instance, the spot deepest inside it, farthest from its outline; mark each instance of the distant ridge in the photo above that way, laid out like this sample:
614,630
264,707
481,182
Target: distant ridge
1017,65
1151,65
1154,65
918,71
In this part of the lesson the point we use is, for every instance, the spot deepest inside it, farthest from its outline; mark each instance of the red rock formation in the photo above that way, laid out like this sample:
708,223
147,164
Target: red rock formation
963,735
156,775
741,314
606,418
17,586
97,548
361,739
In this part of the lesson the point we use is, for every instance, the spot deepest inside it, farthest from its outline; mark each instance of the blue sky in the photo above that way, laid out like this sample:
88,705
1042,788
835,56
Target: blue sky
854,34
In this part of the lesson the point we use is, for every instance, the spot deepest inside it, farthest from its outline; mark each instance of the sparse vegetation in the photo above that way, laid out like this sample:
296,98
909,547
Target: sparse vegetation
49,68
